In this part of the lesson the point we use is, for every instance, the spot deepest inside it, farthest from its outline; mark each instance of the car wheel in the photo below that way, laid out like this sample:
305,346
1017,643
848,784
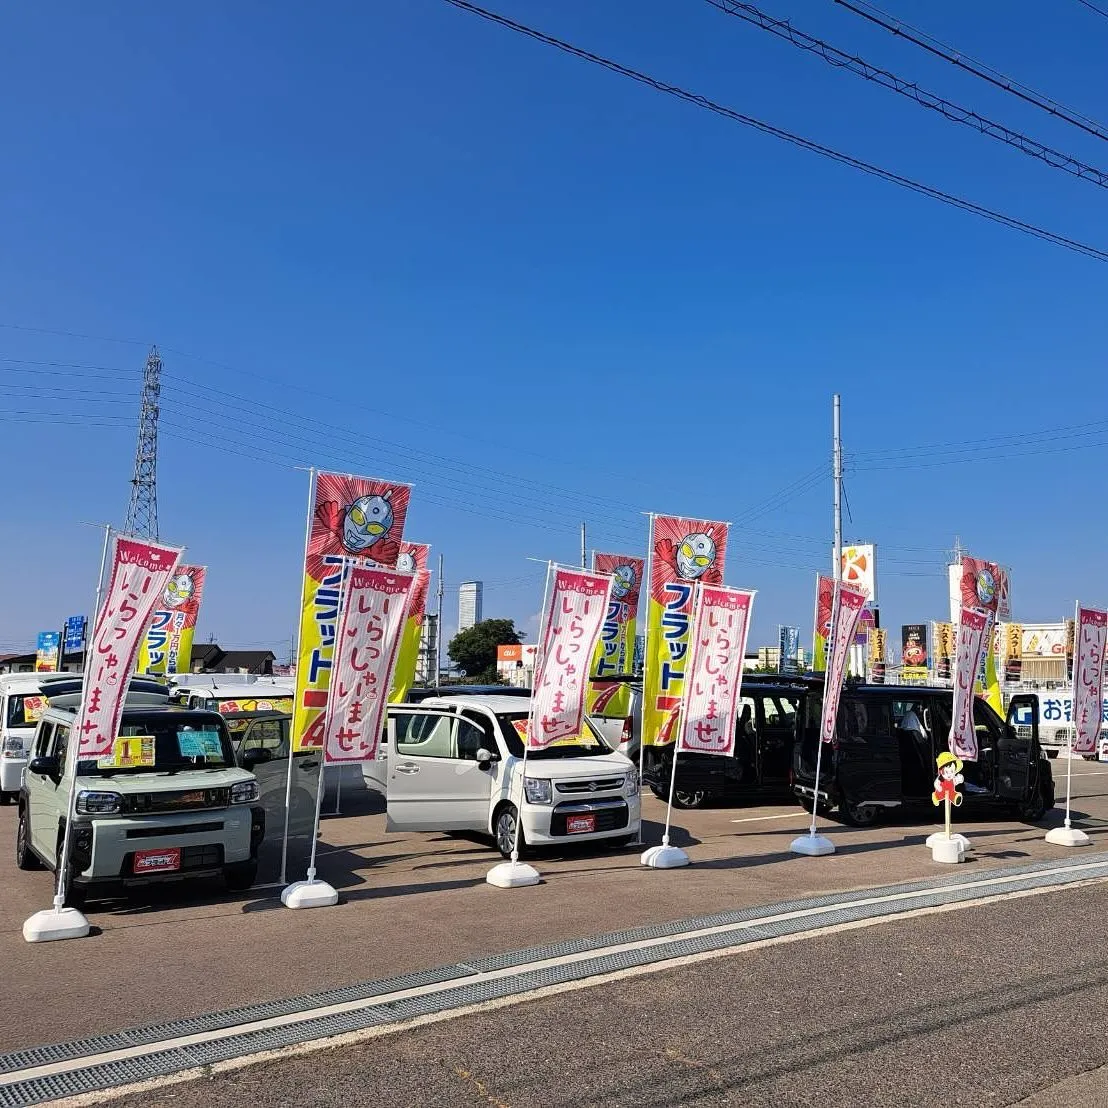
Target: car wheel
75,895
859,815
241,876
505,832
660,793
1034,807
6,798
24,857
691,798
1052,754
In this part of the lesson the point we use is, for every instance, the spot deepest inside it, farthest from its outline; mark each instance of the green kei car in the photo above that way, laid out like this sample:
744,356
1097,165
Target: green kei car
170,804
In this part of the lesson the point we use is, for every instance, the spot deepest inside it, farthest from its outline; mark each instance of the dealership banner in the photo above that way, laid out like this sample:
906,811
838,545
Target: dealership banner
353,518
973,626
373,606
710,703
877,654
858,567
1088,677
413,558
914,655
986,586
821,621
846,607
167,647
140,572
943,648
47,649
788,650
575,610
1011,651
615,653
682,552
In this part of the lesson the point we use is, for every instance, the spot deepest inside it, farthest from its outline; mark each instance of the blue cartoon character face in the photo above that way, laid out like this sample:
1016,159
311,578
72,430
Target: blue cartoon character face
406,563
623,581
178,591
695,556
367,521
986,587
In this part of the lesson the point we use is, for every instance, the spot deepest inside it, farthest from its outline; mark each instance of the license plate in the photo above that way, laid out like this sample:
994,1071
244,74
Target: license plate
158,861
580,825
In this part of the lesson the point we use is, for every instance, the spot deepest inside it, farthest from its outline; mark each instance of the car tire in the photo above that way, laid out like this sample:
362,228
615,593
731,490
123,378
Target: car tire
1052,754
240,876
660,793
691,799
6,798
75,895
1034,807
859,815
504,831
25,857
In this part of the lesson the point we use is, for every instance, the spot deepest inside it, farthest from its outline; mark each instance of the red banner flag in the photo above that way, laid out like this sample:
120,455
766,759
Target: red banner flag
972,625
720,622
1090,632
140,572
570,630
373,607
846,608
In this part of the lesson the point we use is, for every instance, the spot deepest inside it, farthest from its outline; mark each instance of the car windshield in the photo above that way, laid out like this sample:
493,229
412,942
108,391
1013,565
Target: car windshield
513,728
165,744
24,711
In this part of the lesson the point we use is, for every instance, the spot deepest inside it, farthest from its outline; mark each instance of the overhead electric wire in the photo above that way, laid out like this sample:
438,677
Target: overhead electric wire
783,29
979,69
787,136
1093,8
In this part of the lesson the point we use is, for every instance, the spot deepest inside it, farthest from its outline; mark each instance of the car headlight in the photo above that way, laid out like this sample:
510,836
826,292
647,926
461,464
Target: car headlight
91,802
632,784
537,790
244,792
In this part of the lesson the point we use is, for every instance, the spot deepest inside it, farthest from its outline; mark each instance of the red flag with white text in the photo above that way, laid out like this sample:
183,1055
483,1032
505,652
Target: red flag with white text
1090,632
972,625
846,609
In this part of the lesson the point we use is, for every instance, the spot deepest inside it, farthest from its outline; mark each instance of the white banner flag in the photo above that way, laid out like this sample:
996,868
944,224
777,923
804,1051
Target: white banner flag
570,631
972,626
846,609
140,572
714,677
1090,631
373,606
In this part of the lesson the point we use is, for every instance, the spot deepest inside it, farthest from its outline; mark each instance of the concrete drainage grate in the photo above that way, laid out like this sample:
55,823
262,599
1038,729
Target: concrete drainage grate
738,929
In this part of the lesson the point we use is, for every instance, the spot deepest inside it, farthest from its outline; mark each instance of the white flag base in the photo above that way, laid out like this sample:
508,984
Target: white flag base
309,894
55,923
940,836
814,846
1067,836
664,857
948,850
512,875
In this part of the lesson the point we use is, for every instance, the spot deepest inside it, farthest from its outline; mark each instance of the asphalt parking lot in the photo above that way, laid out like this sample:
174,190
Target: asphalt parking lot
412,901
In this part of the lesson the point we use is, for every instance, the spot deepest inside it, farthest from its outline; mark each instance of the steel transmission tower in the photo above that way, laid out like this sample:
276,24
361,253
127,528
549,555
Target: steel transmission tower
142,515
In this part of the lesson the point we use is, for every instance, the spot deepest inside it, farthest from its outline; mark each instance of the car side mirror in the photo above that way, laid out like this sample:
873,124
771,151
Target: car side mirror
255,756
485,758
46,766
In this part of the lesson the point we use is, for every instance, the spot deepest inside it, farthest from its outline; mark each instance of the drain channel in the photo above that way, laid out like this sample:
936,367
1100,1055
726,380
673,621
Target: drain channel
46,1073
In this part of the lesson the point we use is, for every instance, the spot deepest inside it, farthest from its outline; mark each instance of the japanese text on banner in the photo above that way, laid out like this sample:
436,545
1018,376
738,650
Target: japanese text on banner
1088,677
683,552
354,518
711,700
373,608
615,653
972,625
571,627
847,606
167,645
140,571
413,559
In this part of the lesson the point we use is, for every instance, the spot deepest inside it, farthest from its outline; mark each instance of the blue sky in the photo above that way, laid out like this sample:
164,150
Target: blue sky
397,240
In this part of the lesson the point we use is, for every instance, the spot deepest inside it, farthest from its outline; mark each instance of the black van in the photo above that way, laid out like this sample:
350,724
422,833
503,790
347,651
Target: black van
770,712
886,743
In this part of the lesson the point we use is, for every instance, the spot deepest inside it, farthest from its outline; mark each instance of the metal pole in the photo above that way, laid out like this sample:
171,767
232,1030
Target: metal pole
648,582
438,630
838,473
584,556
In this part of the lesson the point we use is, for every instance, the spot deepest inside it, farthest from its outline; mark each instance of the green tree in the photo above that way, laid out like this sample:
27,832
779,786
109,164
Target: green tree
474,650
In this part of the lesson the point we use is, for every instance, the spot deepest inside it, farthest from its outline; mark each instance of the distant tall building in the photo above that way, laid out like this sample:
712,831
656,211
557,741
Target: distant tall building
469,605
428,658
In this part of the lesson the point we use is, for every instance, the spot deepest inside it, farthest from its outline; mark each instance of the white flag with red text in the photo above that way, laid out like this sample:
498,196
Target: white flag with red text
1090,631
972,626
140,572
373,606
846,609
570,631
713,678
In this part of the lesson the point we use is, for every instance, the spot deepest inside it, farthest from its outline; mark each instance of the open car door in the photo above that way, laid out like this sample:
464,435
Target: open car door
1016,746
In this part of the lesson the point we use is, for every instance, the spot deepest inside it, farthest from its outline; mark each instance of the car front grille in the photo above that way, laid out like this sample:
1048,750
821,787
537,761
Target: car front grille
609,817
180,800
590,785
165,832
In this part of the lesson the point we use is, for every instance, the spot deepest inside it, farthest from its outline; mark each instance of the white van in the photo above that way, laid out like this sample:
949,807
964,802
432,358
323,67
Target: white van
22,701
269,695
453,764
1056,721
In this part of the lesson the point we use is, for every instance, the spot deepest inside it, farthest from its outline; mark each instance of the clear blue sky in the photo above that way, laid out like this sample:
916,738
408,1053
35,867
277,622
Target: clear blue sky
443,253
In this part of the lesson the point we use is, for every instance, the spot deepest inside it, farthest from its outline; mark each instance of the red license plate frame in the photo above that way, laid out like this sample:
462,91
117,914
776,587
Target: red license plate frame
582,824
167,860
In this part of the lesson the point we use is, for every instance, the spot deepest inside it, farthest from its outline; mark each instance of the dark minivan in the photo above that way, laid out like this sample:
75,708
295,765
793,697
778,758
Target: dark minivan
887,739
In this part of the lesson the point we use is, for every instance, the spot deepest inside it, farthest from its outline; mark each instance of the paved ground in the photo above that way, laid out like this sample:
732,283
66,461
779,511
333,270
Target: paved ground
414,901
983,1006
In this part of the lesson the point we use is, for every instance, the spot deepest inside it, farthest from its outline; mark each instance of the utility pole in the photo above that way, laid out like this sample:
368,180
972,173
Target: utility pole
838,472
142,515
438,631
584,556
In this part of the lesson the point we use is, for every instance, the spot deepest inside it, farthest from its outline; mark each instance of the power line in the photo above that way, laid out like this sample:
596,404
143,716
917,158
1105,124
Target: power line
978,69
787,136
783,29
1093,8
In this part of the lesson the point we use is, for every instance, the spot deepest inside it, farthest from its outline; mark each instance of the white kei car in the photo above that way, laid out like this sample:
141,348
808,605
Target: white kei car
454,764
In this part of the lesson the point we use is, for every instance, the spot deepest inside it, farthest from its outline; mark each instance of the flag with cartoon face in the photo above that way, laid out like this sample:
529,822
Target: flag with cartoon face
413,559
615,653
167,647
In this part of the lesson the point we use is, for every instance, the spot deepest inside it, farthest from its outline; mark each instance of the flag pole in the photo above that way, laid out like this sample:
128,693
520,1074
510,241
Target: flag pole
299,637
646,586
515,874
